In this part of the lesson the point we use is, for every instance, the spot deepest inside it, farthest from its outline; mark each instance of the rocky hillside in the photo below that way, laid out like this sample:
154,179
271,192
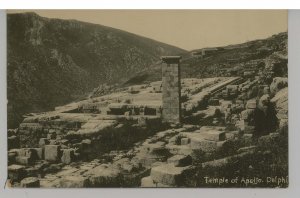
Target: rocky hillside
226,60
53,61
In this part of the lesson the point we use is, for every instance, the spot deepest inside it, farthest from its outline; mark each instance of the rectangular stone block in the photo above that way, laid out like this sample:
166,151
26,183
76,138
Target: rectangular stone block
30,182
169,174
52,153
148,162
16,172
204,145
213,135
24,160
103,176
67,156
251,104
147,182
25,152
179,149
26,155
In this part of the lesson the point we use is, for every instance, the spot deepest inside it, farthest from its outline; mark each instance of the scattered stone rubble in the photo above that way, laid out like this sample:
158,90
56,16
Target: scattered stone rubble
119,140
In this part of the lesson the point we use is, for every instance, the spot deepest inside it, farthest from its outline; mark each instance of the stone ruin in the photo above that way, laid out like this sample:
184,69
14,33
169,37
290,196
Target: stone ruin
169,133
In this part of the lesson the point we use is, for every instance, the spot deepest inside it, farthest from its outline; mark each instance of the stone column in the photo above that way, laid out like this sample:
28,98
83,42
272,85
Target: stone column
171,105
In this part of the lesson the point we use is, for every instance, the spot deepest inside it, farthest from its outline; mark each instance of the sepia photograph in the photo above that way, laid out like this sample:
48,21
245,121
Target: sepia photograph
147,99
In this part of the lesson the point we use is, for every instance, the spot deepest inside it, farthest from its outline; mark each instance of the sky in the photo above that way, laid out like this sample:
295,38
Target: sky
187,29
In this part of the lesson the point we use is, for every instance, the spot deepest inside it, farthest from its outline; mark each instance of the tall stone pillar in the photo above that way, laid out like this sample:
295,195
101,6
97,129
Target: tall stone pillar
171,105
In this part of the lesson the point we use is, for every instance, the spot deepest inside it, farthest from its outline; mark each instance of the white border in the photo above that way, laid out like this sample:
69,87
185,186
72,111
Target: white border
294,125
149,4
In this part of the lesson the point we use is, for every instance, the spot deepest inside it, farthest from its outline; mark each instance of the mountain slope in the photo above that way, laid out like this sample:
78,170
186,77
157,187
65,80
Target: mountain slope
53,61
230,58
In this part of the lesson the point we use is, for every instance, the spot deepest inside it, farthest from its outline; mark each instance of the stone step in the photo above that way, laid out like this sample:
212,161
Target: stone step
170,175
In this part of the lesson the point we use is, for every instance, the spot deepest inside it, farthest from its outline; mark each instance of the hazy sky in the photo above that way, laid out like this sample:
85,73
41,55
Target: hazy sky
188,29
